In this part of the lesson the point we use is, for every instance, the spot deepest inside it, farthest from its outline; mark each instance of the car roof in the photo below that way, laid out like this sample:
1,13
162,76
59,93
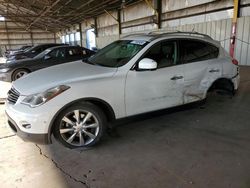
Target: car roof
65,46
173,34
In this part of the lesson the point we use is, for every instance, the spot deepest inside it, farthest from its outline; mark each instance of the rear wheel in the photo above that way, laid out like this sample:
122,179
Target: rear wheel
223,86
80,125
19,73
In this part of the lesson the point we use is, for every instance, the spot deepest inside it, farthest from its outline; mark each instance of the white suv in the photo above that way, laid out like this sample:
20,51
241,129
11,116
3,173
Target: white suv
137,74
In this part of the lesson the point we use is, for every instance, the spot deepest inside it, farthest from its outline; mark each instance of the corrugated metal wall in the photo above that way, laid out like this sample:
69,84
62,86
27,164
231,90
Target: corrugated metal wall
219,30
211,17
242,51
13,36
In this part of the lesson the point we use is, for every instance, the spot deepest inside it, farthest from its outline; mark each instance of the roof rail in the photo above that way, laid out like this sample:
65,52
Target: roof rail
163,33
137,33
186,32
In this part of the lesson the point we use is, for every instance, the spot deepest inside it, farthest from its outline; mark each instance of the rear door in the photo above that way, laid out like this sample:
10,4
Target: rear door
201,67
153,90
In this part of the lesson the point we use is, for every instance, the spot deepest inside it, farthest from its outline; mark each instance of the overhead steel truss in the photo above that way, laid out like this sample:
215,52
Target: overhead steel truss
54,15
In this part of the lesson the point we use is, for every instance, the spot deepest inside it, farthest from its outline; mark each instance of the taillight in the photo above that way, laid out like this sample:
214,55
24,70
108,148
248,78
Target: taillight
234,61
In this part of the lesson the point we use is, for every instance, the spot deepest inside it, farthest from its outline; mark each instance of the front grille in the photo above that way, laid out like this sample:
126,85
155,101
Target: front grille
13,96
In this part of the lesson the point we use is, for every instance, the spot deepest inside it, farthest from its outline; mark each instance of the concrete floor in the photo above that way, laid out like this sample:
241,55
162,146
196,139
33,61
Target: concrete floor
198,147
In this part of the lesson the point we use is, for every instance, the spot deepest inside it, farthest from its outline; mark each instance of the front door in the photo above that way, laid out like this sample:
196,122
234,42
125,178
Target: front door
153,90
55,57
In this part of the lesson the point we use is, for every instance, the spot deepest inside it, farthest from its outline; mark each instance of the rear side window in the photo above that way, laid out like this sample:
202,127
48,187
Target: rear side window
57,53
76,52
193,51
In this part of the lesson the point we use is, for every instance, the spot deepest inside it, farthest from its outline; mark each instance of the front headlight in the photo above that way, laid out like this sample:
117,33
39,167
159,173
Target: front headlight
41,98
4,70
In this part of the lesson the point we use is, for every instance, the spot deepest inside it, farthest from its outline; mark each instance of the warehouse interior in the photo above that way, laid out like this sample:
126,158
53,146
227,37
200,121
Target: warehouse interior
36,22
204,145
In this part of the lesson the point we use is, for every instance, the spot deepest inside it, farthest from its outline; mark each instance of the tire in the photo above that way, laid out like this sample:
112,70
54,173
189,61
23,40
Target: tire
80,125
19,73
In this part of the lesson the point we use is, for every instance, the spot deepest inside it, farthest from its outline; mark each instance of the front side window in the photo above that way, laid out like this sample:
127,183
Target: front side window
117,53
164,53
193,51
42,54
57,53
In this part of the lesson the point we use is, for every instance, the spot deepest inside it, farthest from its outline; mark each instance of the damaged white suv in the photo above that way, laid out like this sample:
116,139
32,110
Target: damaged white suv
137,74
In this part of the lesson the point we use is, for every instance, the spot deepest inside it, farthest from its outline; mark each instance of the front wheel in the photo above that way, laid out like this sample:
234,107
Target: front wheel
80,125
19,73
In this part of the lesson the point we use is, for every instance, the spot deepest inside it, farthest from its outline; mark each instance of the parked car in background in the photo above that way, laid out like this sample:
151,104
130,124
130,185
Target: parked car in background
11,52
32,52
137,74
51,56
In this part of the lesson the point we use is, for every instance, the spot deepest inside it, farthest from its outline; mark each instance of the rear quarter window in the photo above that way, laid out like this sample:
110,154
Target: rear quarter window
194,50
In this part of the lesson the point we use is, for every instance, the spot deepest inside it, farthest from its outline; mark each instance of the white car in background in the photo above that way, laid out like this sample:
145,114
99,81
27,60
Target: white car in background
137,74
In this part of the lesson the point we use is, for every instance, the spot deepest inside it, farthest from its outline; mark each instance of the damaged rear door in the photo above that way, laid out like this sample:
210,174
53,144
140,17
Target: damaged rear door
201,68
156,89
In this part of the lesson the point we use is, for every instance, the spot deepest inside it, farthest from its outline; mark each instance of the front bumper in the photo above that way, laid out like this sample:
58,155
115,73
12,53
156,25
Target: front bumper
37,138
31,124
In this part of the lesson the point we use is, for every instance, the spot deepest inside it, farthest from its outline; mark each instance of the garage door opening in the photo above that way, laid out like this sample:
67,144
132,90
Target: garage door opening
91,39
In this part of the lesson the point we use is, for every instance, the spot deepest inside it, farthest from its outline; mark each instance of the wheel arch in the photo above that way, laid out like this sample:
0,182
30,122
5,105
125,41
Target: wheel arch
103,105
222,83
19,68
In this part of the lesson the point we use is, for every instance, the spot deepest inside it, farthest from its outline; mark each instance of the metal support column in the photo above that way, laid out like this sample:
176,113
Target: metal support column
31,38
80,30
119,21
96,28
54,37
234,27
159,11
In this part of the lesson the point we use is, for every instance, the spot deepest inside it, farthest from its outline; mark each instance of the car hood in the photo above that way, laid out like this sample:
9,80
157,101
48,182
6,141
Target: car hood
67,73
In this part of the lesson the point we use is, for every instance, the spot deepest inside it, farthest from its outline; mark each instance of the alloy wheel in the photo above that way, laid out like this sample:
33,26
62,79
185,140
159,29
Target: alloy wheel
79,127
20,74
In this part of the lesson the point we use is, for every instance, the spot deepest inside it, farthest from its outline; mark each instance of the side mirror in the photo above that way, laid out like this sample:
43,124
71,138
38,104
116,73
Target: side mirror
46,57
147,64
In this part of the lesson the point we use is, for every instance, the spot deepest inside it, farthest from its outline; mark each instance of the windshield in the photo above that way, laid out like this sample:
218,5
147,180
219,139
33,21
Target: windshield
30,49
117,53
42,54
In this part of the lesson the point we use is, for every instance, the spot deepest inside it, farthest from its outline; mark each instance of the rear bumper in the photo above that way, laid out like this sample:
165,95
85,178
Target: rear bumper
236,81
28,137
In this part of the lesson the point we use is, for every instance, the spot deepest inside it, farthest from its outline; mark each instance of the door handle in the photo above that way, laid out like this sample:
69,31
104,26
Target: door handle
176,77
214,70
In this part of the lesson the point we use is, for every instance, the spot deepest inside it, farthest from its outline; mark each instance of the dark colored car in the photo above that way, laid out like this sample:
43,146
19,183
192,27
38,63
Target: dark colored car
32,52
52,56
11,52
